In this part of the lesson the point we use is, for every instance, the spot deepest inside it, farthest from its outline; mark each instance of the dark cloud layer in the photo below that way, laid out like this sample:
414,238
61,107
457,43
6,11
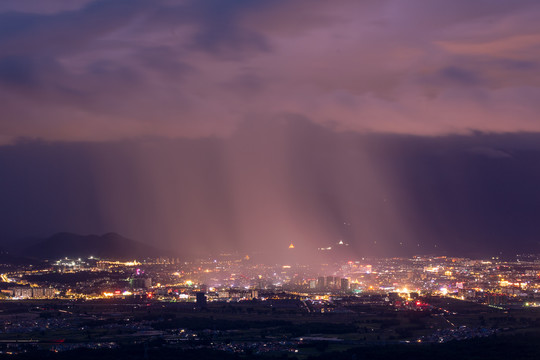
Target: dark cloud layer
284,181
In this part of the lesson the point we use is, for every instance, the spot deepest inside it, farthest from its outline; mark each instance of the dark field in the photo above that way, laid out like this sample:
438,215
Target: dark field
253,329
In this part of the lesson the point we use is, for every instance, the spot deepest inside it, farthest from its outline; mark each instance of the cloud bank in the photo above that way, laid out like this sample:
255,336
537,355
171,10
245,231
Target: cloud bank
108,70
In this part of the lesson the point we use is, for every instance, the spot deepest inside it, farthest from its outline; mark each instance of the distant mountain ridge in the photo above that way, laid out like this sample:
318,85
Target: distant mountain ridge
108,246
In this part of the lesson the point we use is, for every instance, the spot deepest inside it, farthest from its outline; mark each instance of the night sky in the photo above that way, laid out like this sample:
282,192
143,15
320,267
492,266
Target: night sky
400,127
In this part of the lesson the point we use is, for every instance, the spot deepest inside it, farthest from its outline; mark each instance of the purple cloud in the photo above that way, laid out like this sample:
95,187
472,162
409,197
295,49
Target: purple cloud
103,70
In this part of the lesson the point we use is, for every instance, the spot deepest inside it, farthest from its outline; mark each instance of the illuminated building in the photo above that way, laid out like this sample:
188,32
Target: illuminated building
140,282
32,292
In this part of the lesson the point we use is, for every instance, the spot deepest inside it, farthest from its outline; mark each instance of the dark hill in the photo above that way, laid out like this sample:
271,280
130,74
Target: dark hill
107,246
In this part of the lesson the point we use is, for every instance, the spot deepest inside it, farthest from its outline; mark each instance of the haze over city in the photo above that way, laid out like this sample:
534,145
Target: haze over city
400,128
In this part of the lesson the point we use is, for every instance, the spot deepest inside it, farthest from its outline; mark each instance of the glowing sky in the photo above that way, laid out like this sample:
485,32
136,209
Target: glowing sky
244,121
102,70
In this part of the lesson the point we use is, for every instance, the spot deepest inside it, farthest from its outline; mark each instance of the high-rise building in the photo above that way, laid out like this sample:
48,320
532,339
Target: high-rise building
344,284
321,283
329,282
201,299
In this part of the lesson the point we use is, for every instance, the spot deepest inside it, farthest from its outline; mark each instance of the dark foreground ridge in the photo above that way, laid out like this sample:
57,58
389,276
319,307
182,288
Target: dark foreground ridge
277,329
499,347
